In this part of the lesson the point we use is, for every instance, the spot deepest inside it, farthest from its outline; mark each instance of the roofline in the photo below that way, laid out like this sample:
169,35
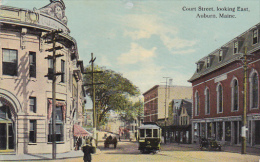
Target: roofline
151,89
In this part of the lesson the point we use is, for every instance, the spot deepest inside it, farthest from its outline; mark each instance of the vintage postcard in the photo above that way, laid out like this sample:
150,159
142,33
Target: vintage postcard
130,80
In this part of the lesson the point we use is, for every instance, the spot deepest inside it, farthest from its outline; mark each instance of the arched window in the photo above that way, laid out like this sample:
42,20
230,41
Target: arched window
197,103
207,102
254,90
235,95
219,99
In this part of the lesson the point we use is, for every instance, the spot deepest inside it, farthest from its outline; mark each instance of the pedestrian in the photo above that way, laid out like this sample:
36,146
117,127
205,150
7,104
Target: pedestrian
87,150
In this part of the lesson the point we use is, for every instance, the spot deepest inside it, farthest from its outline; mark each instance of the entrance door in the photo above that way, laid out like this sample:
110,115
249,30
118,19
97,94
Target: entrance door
6,129
257,132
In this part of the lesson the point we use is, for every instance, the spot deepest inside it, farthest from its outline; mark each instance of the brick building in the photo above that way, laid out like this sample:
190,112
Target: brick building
218,91
154,101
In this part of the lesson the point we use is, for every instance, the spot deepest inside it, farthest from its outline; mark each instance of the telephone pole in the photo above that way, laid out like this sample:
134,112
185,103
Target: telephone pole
165,104
53,36
244,129
94,96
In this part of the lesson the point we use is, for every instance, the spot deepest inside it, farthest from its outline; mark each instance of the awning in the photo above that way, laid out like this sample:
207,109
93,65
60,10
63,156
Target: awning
80,132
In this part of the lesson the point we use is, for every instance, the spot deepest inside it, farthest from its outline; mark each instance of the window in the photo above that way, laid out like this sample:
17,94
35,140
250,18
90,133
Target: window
207,108
32,59
197,103
148,132
234,95
9,62
198,67
5,112
220,58
58,126
255,36
141,132
219,99
32,104
50,69
63,71
254,90
235,47
208,62
155,132
32,133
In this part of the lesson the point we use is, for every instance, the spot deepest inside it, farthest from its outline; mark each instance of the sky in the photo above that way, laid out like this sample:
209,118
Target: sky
147,40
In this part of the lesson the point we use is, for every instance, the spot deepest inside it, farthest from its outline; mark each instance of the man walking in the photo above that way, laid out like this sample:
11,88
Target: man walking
87,150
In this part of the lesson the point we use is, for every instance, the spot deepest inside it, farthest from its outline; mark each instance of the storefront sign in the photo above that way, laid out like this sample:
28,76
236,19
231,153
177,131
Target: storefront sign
220,78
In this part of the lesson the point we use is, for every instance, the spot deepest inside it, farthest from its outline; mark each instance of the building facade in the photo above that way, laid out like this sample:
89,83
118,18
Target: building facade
26,92
218,91
179,121
156,98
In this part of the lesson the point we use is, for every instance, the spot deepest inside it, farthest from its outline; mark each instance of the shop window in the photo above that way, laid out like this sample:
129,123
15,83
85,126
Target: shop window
32,103
58,126
9,62
32,59
228,131
32,134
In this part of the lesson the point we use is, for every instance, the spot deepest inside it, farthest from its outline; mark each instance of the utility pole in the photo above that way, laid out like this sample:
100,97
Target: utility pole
53,35
94,96
244,129
166,87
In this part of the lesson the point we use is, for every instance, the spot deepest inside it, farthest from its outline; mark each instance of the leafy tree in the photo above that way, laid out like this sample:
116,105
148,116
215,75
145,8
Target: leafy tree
115,94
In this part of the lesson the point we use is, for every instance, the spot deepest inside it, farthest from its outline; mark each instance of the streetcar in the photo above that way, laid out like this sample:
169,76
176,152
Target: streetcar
149,137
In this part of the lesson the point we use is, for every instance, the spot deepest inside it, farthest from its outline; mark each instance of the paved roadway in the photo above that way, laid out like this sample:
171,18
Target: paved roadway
127,152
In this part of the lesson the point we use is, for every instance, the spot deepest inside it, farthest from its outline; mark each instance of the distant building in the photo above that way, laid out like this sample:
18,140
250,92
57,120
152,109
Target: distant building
154,101
218,91
179,122
25,92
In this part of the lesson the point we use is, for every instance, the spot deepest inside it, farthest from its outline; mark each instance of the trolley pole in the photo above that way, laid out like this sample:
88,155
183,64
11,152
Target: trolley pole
244,129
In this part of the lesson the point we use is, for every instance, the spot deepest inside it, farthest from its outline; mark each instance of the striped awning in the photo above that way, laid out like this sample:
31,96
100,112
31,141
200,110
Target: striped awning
80,132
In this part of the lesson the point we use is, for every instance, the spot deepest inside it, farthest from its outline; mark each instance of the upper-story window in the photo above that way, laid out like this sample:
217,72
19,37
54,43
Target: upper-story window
254,90
32,59
32,104
220,57
235,95
197,103
219,99
10,62
235,47
255,36
207,102
50,69
208,62
63,71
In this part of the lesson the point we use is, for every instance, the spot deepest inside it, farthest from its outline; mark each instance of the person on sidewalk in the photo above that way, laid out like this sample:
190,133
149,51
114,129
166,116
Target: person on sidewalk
87,150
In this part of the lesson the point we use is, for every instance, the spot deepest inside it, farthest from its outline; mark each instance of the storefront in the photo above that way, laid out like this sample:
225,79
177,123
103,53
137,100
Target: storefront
227,130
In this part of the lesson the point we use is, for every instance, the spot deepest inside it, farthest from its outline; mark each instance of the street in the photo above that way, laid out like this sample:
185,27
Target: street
127,151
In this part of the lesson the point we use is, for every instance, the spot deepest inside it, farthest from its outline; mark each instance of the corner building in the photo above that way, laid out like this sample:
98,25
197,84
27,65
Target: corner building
25,92
218,91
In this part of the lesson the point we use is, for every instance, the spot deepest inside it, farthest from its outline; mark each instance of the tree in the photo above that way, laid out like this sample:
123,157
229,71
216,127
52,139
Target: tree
115,94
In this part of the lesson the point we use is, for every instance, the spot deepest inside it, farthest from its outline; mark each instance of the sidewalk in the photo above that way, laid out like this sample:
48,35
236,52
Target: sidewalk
29,157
